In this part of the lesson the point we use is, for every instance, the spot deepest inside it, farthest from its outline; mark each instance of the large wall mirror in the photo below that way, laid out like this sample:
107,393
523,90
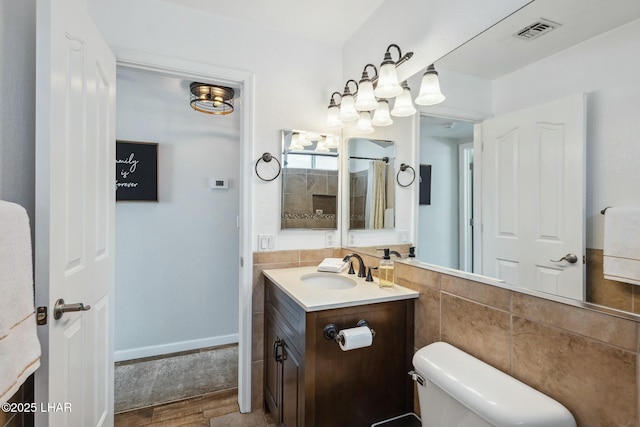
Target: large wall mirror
309,180
547,51
371,183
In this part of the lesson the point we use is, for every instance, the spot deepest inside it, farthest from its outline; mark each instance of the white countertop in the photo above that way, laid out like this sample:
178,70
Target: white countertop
314,299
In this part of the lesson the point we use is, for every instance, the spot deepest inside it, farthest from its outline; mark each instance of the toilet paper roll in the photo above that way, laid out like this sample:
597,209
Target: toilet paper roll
355,338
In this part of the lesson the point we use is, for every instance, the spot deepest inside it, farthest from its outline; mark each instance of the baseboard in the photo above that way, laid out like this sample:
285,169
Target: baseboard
176,347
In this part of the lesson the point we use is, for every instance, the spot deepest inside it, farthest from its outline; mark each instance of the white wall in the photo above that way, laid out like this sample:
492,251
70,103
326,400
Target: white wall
606,68
439,222
294,78
176,285
17,97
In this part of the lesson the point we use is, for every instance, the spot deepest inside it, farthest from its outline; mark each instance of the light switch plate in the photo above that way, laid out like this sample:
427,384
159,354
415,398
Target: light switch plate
266,242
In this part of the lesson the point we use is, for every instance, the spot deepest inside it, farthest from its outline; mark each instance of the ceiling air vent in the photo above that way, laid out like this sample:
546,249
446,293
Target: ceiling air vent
537,29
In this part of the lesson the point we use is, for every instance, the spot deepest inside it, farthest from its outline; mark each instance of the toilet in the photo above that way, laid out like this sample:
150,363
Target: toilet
456,390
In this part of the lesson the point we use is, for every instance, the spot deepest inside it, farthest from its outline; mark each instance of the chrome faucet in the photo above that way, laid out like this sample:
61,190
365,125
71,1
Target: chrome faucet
362,269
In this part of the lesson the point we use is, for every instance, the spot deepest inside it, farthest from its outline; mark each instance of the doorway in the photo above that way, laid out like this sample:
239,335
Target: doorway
444,224
175,291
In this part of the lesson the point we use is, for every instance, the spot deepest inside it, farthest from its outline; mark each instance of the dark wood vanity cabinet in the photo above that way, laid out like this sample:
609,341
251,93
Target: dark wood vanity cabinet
311,382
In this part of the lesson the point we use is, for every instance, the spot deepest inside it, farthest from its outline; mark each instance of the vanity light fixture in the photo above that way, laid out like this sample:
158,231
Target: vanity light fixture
388,85
403,105
211,99
348,112
321,147
300,139
366,100
364,123
331,141
333,113
430,93
381,115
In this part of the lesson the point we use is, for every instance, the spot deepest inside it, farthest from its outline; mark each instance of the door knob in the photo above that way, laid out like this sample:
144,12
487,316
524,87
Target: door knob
570,258
60,308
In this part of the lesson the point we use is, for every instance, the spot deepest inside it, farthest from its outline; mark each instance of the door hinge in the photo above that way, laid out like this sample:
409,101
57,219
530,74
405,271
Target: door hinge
241,262
41,316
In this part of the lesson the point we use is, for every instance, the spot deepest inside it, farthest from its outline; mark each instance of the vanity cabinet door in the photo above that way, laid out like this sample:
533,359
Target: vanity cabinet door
273,348
290,388
282,376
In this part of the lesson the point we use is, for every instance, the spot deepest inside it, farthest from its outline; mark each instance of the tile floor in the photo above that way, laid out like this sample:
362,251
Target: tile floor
218,409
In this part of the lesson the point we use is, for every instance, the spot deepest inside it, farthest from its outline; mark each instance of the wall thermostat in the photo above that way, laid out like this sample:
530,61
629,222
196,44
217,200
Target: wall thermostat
219,183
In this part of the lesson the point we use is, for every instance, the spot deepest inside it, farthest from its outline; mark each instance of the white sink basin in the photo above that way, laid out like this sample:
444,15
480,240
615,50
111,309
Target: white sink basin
328,281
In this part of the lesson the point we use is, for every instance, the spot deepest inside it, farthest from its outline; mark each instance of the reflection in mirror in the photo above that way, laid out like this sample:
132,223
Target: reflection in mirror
309,180
371,184
593,50
445,210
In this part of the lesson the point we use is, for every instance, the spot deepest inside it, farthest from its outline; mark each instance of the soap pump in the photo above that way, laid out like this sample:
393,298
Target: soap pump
385,270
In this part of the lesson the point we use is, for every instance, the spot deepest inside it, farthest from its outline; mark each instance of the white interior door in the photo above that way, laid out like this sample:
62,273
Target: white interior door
75,206
533,197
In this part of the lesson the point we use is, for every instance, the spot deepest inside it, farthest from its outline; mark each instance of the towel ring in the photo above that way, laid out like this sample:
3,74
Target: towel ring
403,168
266,158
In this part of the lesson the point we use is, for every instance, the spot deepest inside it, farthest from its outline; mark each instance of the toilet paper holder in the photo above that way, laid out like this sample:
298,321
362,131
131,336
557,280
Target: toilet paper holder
331,332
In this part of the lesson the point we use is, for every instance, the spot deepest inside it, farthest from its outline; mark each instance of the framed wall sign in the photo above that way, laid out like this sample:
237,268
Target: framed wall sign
425,184
136,171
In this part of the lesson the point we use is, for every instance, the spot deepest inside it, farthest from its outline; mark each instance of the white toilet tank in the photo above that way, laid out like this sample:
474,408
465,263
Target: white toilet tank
459,390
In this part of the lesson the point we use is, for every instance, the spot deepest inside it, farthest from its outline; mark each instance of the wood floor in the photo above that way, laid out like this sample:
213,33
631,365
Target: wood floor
218,409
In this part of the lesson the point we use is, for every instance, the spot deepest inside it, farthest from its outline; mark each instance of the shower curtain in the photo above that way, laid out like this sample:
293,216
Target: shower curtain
376,195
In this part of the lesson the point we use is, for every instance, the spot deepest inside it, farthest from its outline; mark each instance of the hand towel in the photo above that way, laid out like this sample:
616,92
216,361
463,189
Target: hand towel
19,345
622,244
332,265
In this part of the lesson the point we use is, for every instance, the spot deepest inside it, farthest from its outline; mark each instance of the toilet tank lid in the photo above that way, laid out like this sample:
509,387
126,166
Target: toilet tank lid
491,394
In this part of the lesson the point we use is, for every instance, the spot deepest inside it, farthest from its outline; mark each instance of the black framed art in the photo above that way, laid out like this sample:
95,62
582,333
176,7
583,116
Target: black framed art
136,171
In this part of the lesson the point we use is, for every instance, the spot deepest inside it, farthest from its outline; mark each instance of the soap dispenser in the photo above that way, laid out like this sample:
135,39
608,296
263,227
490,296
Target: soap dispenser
385,270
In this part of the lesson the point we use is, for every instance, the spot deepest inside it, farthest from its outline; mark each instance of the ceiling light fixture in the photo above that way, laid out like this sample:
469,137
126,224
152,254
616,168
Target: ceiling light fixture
211,99
430,93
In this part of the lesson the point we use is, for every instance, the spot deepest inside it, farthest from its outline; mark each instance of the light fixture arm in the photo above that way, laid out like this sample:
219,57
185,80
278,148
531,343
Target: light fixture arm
365,75
387,60
347,91
389,53
332,102
401,58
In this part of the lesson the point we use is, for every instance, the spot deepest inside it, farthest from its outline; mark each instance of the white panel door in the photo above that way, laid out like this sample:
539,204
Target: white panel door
533,197
75,207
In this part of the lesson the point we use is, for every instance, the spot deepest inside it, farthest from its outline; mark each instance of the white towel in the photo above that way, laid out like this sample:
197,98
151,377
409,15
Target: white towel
622,244
332,265
19,345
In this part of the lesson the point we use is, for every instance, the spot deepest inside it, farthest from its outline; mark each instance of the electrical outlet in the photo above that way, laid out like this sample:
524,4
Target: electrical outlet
403,235
329,240
352,239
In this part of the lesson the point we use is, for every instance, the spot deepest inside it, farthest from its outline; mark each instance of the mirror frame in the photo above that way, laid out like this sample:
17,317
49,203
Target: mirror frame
333,151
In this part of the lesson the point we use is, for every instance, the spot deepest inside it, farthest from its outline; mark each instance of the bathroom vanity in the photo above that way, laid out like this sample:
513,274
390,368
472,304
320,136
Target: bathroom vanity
309,380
